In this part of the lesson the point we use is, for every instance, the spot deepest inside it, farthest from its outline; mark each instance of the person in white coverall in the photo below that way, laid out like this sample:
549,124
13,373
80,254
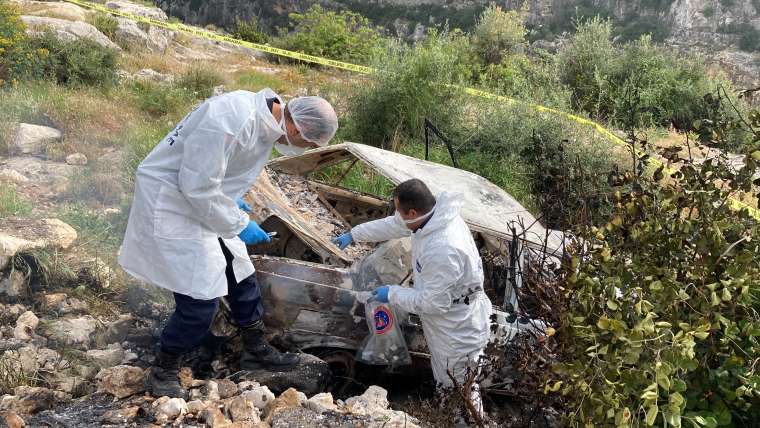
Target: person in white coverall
188,229
448,278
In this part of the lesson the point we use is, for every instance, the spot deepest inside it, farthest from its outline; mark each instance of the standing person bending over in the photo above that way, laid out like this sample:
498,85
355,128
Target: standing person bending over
187,229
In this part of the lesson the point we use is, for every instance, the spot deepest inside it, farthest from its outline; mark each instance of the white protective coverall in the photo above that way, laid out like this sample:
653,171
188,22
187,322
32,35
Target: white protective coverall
447,268
185,193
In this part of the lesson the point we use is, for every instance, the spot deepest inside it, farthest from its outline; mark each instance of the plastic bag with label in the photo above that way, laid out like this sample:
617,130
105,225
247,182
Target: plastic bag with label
385,343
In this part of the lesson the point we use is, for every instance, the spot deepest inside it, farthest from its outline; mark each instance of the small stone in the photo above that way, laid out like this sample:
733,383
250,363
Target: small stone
170,410
197,406
373,401
211,391
76,159
32,139
260,396
214,418
321,403
302,399
73,385
121,381
12,420
117,331
25,325
53,300
36,399
286,400
122,416
247,385
73,331
14,285
240,409
105,358
226,388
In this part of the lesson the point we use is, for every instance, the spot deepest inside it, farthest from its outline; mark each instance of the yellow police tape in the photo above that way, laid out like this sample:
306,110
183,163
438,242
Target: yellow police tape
734,203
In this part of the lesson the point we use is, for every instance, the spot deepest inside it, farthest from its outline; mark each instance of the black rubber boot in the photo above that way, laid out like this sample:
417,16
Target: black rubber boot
259,354
163,379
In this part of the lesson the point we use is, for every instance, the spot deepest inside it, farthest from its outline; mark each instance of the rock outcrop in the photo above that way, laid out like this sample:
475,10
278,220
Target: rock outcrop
67,30
23,234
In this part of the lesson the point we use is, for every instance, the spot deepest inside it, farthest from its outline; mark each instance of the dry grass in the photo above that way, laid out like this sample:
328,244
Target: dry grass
166,63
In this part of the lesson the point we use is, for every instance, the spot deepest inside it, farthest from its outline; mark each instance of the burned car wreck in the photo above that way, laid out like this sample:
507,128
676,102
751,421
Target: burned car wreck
310,287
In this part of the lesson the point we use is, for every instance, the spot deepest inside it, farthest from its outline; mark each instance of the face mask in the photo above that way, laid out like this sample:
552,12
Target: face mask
287,149
414,220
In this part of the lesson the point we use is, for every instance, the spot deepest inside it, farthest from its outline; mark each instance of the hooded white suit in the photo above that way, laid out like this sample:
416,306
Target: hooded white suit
448,286
185,194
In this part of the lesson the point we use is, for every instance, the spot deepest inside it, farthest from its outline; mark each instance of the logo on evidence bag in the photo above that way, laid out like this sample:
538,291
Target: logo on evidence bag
383,320
418,266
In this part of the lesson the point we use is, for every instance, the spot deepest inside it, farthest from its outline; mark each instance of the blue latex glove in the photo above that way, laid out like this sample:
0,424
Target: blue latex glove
243,205
343,241
253,234
381,294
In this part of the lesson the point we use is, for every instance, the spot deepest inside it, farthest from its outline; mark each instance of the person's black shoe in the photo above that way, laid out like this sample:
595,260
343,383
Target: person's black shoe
163,378
259,354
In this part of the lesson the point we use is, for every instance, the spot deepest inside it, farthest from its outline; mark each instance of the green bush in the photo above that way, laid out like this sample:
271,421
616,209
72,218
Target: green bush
664,323
200,80
105,23
671,86
708,11
75,62
527,78
17,60
160,99
412,83
498,33
249,31
584,63
345,36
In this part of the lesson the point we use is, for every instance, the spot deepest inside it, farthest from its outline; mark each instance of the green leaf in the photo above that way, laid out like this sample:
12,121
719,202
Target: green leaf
756,155
652,414
612,305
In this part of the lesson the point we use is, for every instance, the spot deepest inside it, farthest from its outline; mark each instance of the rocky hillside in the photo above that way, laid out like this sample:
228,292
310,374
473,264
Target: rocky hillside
725,31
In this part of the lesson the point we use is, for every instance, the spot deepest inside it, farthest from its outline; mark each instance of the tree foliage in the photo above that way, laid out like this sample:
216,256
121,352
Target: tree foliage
664,327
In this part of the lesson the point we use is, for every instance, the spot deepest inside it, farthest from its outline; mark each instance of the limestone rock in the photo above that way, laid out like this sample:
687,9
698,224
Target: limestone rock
197,406
76,159
131,34
25,325
60,10
321,403
373,401
226,388
73,331
286,400
67,30
214,418
122,416
35,399
14,285
96,272
105,358
241,409
52,178
260,396
24,234
211,391
73,385
12,420
117,331
62,304
121,381
32,139
170,409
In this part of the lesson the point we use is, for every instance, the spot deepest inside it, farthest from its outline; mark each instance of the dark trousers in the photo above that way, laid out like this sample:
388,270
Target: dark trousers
192,318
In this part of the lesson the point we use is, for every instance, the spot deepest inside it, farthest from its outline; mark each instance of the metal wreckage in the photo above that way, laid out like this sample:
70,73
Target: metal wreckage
311,288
